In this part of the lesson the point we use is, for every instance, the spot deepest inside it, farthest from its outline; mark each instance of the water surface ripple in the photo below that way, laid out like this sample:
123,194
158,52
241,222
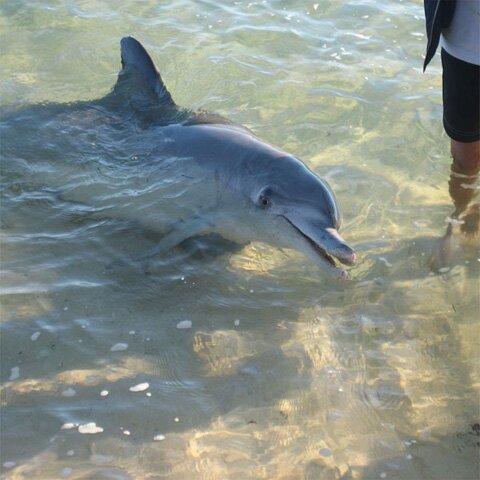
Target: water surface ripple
282,374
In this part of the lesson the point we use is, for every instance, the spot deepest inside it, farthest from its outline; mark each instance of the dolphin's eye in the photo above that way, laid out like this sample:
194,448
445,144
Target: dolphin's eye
265,201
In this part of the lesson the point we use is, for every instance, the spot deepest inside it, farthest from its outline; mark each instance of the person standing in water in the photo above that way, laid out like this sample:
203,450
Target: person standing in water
455,24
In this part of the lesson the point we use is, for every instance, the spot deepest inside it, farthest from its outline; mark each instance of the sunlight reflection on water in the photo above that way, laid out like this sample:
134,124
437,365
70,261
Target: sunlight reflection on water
281,374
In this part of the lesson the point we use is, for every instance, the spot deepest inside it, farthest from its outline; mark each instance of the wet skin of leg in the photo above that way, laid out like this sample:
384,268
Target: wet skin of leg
466,156
463,180
463,189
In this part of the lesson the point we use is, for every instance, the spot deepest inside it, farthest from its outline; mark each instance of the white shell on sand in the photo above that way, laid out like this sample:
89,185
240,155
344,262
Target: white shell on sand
118,347
184,324
90,428
140,387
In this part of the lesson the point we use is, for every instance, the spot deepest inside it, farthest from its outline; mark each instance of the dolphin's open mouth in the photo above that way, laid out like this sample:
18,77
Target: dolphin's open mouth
346,259
319,249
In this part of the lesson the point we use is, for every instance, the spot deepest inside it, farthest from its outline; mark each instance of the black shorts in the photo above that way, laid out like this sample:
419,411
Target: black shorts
461,99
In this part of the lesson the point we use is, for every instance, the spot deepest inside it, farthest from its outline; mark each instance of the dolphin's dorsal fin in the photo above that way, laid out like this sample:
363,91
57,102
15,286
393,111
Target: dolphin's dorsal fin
141,89
138,65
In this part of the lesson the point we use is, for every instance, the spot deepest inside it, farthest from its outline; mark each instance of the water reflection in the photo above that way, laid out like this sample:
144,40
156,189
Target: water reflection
282,374
460,242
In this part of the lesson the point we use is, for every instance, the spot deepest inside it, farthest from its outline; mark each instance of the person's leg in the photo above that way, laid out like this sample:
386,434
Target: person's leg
461,120
465,219
461,105
464,177
466,157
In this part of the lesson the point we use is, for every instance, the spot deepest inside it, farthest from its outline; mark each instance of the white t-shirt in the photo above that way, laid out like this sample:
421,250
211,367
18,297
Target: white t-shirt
462,38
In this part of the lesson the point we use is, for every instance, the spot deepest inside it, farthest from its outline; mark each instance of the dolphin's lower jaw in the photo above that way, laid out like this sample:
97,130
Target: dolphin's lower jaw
342,253
347,258
326,260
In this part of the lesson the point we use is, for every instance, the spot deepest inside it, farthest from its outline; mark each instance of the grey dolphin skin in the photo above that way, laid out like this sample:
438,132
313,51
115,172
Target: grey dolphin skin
207,173
277,198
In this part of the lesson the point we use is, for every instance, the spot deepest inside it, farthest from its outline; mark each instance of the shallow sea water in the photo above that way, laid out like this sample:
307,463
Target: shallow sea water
278,372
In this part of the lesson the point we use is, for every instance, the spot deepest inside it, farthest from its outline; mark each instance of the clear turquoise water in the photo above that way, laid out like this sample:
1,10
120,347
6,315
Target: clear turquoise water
283,375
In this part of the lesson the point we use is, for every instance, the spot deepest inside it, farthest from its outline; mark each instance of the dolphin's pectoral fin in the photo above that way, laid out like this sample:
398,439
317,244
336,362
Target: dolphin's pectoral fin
209,246
180,232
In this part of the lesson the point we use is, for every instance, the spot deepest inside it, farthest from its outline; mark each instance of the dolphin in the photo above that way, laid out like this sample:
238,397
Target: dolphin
228,181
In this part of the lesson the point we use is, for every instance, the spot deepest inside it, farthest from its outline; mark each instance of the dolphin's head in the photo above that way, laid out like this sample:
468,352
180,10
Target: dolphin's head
305,211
